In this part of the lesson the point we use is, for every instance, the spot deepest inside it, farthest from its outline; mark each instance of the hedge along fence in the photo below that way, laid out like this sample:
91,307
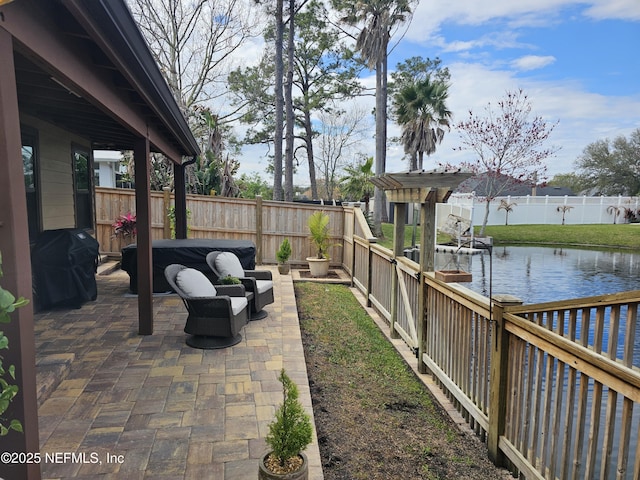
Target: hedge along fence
264,222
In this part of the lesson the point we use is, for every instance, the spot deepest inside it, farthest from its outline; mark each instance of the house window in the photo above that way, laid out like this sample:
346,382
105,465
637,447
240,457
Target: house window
31,182
82,176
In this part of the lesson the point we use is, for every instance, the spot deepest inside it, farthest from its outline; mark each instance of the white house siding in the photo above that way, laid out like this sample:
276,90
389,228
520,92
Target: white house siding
56,173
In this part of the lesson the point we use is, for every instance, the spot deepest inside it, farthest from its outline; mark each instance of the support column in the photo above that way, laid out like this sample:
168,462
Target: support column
180,200
259,259
14,245
143,226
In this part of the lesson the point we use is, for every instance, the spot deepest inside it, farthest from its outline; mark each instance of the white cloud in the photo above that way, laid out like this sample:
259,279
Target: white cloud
532,62
615,9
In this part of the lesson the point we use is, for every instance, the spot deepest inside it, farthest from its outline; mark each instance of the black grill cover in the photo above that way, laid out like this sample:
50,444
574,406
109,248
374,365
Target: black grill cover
64,264
190,252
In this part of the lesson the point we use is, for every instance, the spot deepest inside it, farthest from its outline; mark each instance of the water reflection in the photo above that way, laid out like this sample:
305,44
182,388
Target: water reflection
543,274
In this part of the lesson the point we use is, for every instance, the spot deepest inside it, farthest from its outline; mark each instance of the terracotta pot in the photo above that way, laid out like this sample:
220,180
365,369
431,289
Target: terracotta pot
318,267
284,268
301,474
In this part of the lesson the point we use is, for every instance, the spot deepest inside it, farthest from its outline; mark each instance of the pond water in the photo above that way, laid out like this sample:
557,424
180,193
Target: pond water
544,274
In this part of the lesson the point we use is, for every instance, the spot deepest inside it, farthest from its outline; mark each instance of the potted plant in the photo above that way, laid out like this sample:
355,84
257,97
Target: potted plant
125,229
289,434
8,303
282,254
230,280
321,240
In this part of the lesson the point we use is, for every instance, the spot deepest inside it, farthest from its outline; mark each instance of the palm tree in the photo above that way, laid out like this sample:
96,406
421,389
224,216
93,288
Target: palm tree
422,112
378,18
508,208
356,183
563,209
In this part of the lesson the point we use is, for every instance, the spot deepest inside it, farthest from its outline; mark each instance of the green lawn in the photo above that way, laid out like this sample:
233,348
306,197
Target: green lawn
598,235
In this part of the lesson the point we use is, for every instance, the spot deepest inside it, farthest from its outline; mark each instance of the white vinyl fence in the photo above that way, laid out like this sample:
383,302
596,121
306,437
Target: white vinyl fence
541,210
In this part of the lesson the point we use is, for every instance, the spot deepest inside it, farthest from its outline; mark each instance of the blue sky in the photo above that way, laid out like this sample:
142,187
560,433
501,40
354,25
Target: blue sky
577,61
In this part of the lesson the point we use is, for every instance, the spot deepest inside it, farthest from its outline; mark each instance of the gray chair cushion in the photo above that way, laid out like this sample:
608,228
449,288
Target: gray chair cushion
237,304
228,264
194,283
264,285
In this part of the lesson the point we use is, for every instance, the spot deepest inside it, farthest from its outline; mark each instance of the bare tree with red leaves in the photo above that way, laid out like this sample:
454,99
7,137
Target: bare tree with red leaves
509,146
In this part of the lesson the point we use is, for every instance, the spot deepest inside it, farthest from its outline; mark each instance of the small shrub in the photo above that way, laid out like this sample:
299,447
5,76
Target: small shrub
291,431
284,252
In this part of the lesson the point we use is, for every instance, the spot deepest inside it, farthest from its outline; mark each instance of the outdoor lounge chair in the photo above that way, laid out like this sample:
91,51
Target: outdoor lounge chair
257,281
216,314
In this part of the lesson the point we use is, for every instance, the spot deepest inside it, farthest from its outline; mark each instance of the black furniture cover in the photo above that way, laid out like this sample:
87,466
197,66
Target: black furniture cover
190,252
64,264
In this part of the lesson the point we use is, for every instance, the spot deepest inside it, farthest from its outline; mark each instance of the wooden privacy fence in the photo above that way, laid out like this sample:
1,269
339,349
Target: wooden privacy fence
552,388
266,223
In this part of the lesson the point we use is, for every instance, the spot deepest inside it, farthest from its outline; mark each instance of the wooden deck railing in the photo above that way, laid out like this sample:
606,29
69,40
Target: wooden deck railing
554,388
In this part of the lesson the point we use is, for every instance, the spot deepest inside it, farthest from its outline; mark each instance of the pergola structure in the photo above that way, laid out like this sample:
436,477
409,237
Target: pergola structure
425,188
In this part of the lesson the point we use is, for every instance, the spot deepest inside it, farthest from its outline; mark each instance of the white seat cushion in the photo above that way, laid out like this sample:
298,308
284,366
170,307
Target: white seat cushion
237,304
194,283
264,285
228,264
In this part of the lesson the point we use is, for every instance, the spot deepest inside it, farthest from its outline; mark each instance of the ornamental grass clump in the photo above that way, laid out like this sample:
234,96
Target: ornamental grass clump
290,432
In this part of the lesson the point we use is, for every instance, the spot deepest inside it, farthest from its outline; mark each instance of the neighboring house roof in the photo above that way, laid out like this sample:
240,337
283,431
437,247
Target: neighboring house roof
478,184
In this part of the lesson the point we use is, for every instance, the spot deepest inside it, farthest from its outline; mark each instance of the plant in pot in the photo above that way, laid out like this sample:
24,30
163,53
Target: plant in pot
282,255
318,224
230,280
289,434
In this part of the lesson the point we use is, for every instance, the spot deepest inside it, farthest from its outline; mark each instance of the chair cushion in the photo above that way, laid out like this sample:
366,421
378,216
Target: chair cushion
194,283
228,264
264,285
237,304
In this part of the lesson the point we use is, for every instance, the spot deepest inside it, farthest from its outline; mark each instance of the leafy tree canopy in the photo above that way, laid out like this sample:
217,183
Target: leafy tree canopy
611,167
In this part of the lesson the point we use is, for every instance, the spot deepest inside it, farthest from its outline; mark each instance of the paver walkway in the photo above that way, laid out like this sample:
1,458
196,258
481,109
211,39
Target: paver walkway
145,407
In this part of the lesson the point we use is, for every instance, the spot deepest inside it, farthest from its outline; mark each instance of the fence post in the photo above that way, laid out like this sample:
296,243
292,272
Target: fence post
259,229
498,379
166,203
400,210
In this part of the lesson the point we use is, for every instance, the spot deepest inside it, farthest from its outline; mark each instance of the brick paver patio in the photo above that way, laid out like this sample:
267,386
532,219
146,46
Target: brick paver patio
142,407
